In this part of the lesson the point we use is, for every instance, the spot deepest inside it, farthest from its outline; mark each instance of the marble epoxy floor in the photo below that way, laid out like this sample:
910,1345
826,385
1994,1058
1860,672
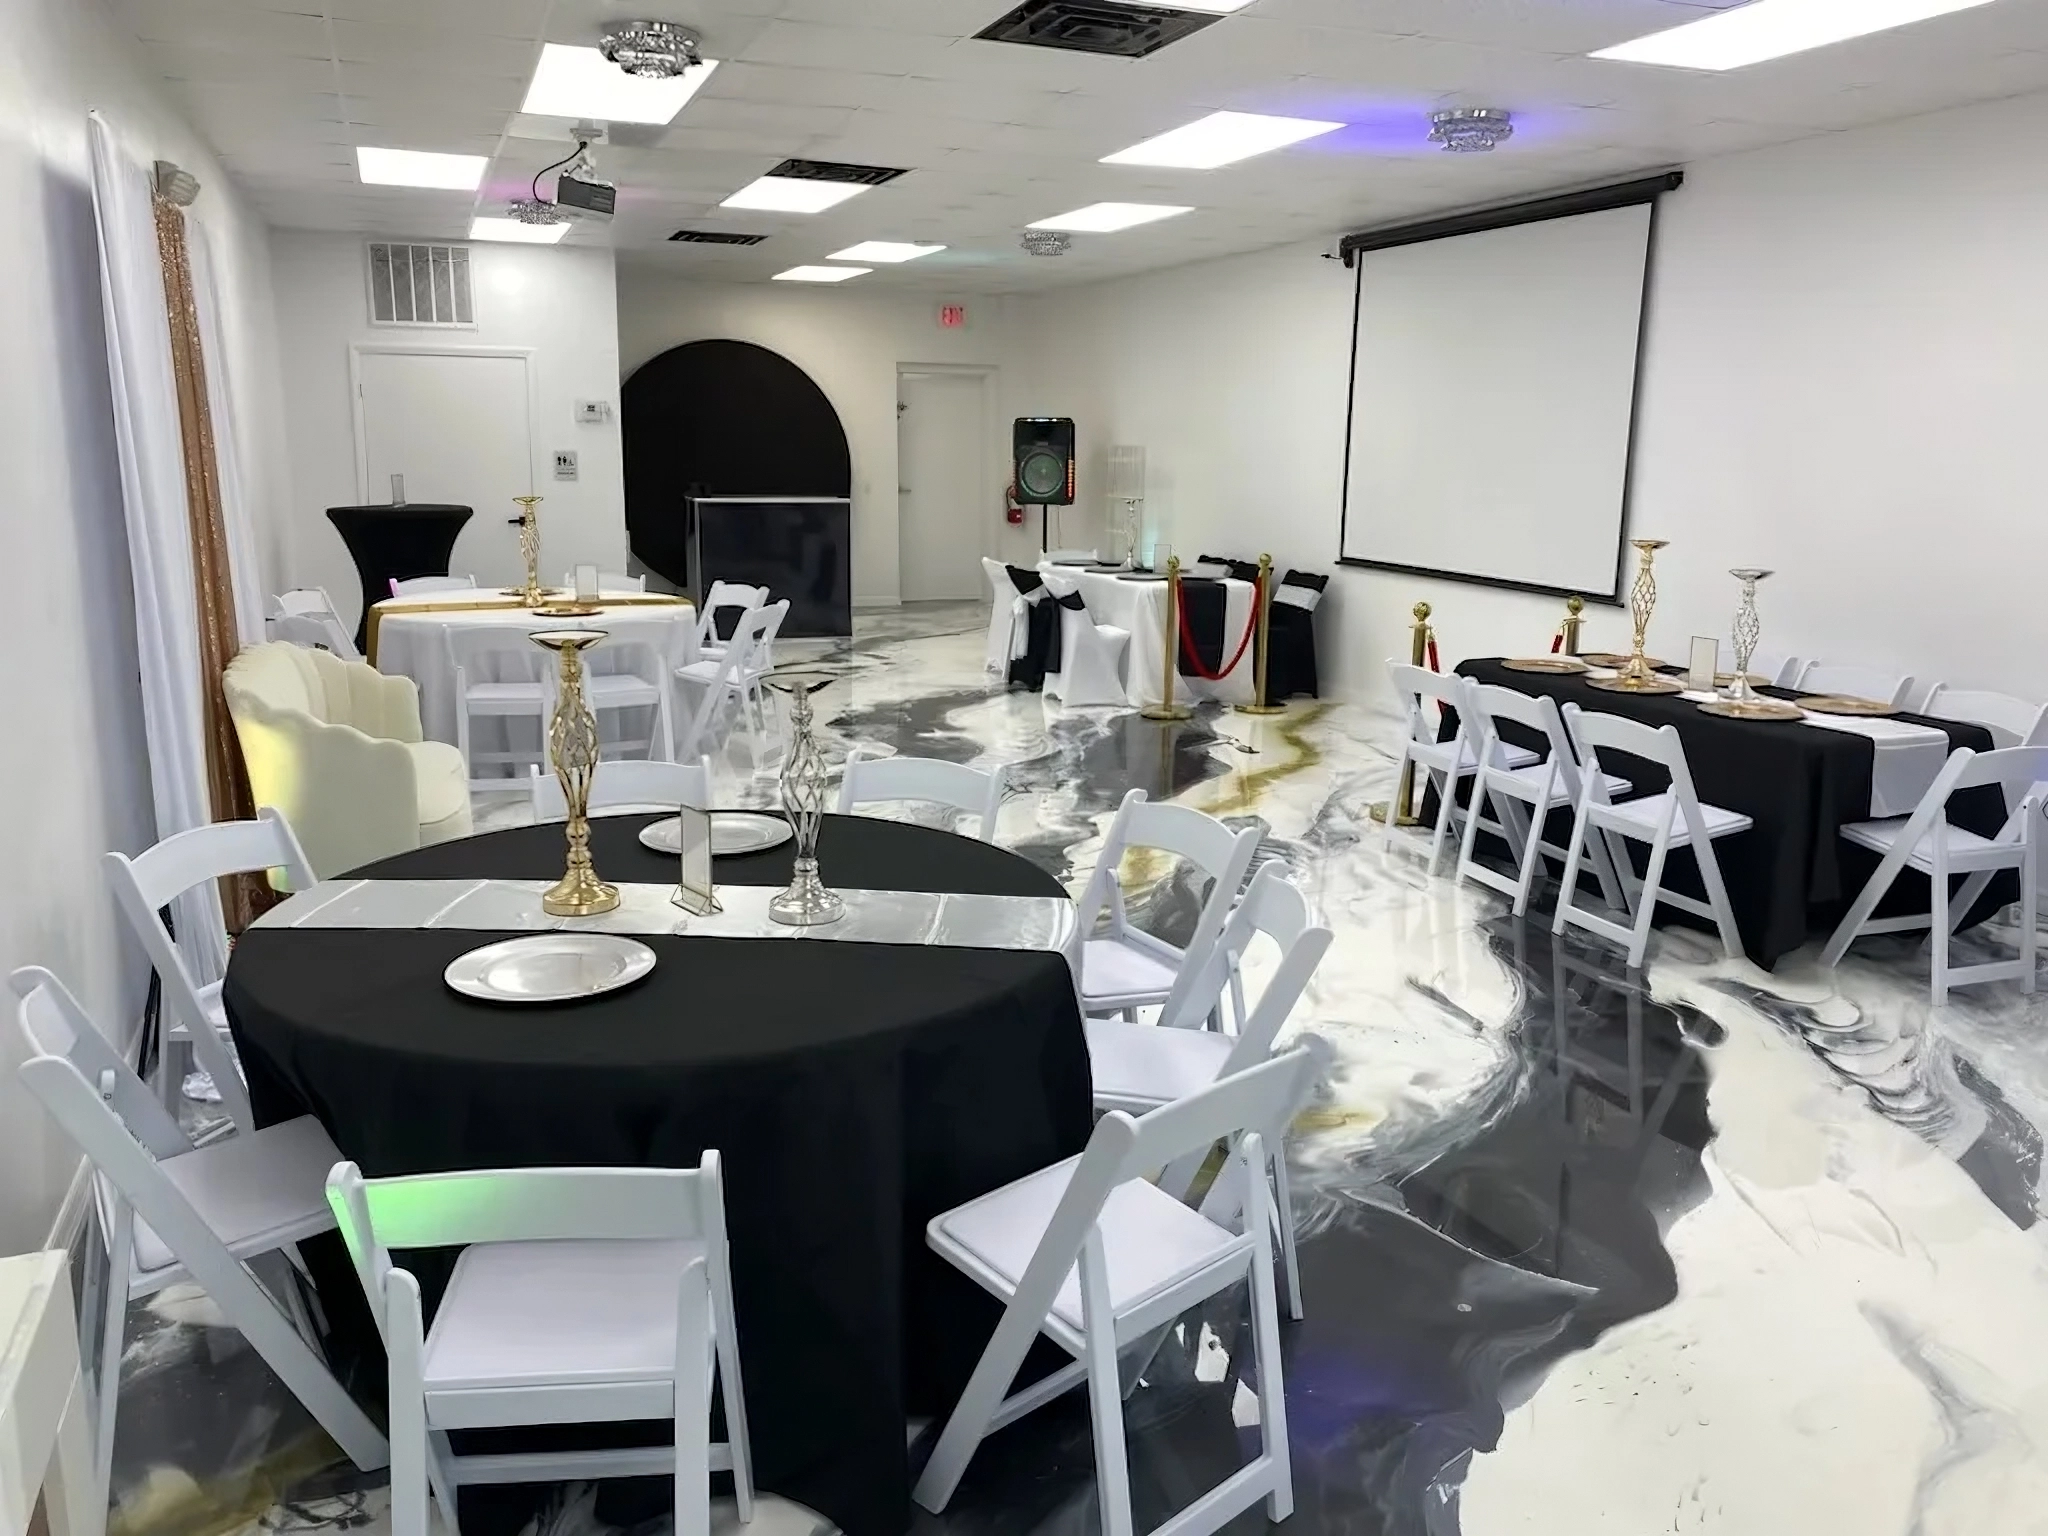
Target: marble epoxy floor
1702,1249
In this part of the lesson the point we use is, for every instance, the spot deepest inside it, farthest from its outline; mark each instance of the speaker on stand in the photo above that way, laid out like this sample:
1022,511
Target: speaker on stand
1042,465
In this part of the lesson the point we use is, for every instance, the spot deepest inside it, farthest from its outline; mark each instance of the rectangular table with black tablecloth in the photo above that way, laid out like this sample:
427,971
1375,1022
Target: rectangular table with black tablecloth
1790,876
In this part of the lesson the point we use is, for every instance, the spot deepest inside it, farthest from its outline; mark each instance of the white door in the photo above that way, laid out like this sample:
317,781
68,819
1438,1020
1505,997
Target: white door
947,496
457,426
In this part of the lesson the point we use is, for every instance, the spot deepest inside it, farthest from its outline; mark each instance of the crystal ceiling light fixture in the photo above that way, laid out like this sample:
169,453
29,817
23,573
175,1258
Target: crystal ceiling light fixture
1107,218
1046,242
1471,130
885,251
583,83
538,210
821,274
1771,29
515,231
1221,138
650,50
419,168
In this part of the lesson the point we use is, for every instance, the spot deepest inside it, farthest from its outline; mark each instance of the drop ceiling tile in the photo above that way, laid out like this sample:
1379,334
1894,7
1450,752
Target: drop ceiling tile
241,29
218,66
447,52
740,80
814,46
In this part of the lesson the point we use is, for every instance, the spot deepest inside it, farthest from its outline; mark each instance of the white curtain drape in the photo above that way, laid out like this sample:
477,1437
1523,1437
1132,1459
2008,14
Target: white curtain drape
227,448
146,432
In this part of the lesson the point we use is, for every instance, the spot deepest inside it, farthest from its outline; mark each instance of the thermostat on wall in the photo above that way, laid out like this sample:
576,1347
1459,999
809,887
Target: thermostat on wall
593,412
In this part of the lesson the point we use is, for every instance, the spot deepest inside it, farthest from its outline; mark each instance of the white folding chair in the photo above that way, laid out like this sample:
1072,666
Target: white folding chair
1123,968
1523,798
609,581
1095,1257
1445,762
635,676
582,1296
501,675
976,791
628,784
724,595
411,586
172,1212
2012,722
155,878
1776,667
1674,819
720,682
1891,688
1929,842
759,664
1138,1067
306,616
1091,654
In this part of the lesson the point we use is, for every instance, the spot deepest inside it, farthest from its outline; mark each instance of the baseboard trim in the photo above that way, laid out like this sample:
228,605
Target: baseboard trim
878,602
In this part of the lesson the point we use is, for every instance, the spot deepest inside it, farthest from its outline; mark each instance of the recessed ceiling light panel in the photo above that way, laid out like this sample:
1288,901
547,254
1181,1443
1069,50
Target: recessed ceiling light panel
513,230
821,274
780,194
884,251
419,168
1105,218
1770,29
1221,138
582,82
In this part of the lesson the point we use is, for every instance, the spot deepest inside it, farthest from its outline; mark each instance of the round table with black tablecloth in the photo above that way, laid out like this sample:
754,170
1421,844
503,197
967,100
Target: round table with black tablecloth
1791,876
852,1090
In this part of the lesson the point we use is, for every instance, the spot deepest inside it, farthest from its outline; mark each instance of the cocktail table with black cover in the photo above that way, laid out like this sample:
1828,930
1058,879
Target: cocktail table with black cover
396,542
1790,876
853,1091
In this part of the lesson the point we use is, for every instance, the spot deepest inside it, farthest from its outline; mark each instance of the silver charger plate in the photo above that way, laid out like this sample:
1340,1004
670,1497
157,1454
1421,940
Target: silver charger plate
549,968
731,832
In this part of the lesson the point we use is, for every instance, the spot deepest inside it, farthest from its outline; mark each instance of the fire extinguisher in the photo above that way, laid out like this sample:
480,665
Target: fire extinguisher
1013,510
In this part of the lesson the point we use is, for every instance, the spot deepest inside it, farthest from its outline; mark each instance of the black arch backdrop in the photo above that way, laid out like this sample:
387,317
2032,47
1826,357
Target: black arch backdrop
721,418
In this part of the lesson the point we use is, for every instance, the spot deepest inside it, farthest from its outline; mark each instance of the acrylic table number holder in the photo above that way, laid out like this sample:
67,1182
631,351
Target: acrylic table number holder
696,891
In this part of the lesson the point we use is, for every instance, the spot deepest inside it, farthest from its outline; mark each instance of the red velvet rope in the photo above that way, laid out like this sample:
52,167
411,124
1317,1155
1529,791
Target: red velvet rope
1191,658
1557,642
1433,664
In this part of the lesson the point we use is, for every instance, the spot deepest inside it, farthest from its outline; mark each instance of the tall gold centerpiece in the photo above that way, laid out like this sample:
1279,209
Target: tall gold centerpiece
1637,676
532,594
572,748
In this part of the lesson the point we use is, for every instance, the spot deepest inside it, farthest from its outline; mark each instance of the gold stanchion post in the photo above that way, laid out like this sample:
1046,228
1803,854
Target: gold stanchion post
1166,709
1261,705
1404,792
1574,609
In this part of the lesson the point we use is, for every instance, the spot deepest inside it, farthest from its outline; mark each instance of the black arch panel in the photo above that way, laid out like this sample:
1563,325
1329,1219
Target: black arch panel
721,418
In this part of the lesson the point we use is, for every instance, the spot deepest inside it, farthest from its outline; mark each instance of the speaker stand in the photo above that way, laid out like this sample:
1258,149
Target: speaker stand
1044,523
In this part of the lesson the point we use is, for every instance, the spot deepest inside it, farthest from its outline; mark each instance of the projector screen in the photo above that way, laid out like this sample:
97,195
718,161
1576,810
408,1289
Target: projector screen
1493,377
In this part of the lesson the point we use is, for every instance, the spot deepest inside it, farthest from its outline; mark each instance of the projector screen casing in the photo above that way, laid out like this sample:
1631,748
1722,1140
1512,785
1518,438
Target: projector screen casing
1495,361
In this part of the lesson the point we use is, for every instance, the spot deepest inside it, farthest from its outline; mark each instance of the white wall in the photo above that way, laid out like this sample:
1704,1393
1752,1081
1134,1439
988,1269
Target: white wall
851,342
1843,382
558,301
75,780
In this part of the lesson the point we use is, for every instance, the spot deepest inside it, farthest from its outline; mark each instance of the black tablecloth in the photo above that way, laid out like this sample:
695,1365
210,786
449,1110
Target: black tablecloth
396,542
853,1091
1791,875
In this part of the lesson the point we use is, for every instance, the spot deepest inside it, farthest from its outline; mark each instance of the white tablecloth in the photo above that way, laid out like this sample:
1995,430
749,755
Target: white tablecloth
411,641
1140,607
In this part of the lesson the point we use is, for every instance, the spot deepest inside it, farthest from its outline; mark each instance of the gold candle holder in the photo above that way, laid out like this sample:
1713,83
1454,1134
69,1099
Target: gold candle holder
572,747
532,594
1637,676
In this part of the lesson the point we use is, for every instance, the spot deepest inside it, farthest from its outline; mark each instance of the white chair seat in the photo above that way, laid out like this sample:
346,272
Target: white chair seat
704,670
258,1190
492,698
1151,1242
1112,969
556,1318
441,783
1648,812
1534,772
1138,1065
1958,842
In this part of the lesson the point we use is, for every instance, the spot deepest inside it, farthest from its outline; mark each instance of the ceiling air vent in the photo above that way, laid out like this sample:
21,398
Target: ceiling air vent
1096,26
715,237
833,170
420,285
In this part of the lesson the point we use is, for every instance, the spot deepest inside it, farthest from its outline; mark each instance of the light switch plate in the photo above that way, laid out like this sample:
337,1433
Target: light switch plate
565,464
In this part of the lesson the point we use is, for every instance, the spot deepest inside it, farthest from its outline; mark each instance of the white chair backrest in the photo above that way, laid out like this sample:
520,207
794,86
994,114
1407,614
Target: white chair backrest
1201,839
1538,712
635,783
1276,907
1775,667
2012,722
302,600
1593,732
998,579
412,584
316,632
977,791
2015,770
469,644
516,1205
1061,583
725,594
640,642
1857,682
1414,684
56,1025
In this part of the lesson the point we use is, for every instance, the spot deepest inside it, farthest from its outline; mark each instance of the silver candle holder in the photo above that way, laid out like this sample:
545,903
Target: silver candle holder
1740,700
805,902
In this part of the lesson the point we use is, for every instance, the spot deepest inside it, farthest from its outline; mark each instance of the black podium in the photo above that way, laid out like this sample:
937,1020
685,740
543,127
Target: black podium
396,543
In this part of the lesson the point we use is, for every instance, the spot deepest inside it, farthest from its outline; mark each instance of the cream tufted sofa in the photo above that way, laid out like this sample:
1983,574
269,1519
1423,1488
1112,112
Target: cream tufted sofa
335,745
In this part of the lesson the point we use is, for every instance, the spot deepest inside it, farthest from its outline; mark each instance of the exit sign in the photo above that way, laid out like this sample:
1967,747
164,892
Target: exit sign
952,317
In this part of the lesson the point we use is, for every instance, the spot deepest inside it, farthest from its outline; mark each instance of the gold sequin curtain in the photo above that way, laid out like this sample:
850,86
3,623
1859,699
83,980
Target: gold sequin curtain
242,897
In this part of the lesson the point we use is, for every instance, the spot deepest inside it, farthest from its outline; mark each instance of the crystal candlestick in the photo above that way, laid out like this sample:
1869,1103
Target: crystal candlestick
572,748
806,901
1743,702
1637,676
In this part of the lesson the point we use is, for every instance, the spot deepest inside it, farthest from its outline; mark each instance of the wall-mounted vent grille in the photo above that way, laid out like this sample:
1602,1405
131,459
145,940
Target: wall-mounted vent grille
715,237
833,170
421,285
1096,26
